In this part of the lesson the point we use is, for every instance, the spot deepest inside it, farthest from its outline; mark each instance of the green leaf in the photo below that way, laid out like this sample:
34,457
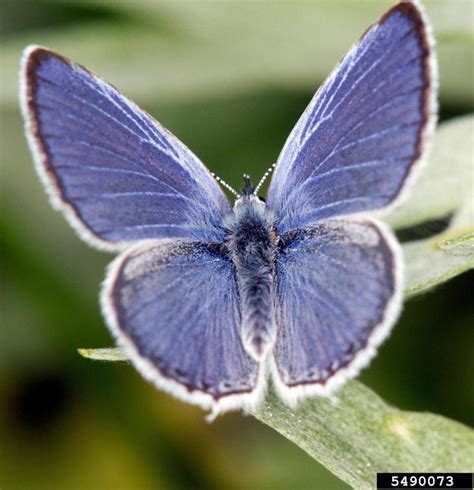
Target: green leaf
112,354
446,183
459,246
435,260
360,435
444,186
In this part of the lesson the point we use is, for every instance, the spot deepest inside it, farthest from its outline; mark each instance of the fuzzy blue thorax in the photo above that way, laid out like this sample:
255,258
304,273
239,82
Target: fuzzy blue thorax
252,246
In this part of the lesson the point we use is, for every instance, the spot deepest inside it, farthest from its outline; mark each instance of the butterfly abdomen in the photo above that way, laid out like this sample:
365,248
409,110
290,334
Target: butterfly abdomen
252,247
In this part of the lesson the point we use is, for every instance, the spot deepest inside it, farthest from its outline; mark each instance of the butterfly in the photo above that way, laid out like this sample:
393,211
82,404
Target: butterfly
211,300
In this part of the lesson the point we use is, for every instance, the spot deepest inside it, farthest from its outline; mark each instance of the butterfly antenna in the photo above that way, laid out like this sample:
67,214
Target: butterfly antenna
223,183
264,178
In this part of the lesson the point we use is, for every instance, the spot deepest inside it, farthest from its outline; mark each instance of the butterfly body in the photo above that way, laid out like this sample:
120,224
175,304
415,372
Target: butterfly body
210,300
252,244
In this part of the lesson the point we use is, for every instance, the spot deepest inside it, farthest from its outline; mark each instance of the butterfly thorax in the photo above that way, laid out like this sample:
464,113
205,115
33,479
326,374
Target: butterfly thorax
252,246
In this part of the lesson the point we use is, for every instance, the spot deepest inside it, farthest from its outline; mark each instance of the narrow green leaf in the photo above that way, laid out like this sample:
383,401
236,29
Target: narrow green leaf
112,354
461,245
435,261
360,435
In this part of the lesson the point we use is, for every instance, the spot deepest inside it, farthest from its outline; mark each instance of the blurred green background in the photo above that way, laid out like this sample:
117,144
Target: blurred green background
230,79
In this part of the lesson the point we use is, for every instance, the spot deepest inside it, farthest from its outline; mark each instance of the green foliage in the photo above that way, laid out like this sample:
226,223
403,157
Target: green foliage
358,435
444,187
435,260
445,184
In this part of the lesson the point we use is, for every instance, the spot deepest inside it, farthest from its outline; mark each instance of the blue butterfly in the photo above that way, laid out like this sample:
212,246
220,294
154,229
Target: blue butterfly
209,300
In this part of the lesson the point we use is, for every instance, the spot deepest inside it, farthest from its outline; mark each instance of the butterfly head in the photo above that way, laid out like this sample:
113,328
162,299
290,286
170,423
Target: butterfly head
248,198
248,189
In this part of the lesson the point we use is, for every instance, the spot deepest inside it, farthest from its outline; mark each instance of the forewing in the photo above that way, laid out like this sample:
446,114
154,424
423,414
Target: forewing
360,138
174,309
118,175
338,294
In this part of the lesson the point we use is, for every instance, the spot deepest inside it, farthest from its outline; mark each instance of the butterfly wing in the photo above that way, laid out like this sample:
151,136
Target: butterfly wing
174,309
118,175
338,294
359,140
